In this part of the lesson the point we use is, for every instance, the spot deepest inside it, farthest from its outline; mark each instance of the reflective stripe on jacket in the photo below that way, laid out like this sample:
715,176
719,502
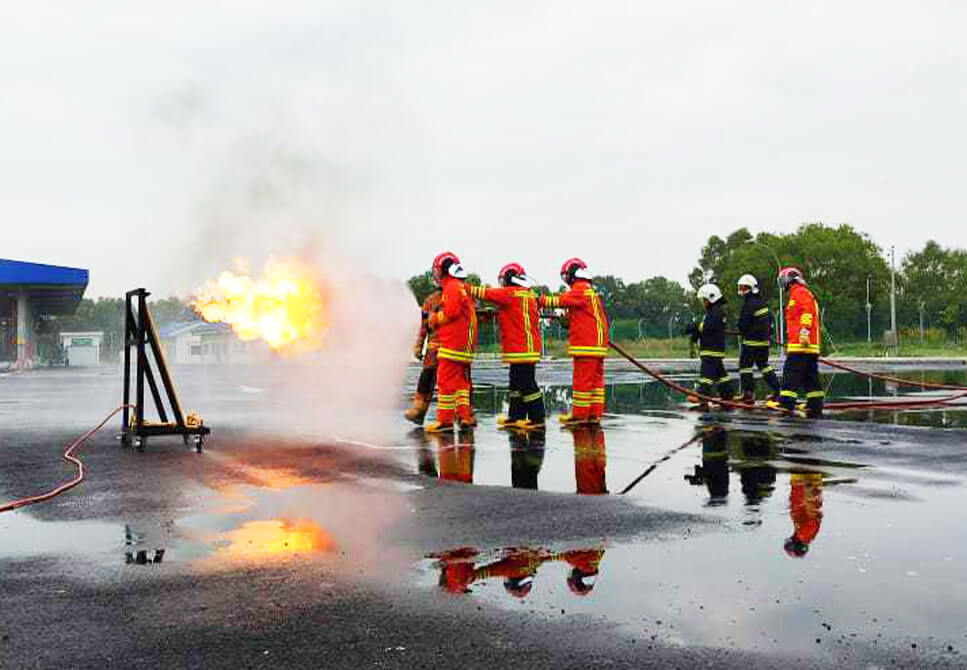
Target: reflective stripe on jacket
802,320
588,334
455,323
755,321
518,320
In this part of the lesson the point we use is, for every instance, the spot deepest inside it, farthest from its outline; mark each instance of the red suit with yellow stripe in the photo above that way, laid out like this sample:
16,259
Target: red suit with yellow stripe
520,345
587,345
455,324
802,321
800,375
518,320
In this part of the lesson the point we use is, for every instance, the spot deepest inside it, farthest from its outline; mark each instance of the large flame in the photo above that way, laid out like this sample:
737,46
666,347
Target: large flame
284,306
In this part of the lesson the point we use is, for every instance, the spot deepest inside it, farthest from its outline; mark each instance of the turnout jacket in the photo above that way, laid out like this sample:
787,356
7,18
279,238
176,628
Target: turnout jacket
802,321
710,333
455,323
430,306
588,334
755,321
517,318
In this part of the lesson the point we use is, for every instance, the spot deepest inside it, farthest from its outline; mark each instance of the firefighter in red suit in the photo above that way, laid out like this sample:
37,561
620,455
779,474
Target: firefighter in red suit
587,340
800,375
455,325
520,343
805,510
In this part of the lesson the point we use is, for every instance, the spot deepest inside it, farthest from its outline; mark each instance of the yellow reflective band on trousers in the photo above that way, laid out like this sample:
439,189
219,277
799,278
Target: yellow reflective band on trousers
593,352
761,312
816,394
532,397
789,394
746,371
454,355
711,354
755,343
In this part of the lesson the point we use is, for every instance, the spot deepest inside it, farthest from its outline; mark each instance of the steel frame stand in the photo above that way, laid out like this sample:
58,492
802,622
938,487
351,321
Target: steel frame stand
140,334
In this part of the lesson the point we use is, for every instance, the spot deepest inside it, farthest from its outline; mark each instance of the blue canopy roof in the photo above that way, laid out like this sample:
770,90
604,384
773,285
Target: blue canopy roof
52,289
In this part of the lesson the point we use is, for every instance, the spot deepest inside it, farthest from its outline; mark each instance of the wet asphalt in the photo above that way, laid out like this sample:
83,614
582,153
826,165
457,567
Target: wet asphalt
348,576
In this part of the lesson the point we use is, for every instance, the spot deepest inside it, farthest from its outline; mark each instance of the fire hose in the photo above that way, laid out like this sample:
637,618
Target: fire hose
68,456
897,405
888,378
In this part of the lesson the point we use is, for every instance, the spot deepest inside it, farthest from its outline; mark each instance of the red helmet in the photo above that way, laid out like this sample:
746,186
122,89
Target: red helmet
509,272
574,268
519,587
581,582
788,275
444,264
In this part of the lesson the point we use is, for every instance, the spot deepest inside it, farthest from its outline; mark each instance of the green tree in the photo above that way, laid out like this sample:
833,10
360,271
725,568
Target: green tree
835,260
421,286
937,278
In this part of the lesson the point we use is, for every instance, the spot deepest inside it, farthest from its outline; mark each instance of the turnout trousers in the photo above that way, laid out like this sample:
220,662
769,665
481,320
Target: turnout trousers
712,375
800,377
750,358
588,387
526,399
453,391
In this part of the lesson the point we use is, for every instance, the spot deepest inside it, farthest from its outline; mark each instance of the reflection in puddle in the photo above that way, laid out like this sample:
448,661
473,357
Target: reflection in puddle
277,538
516,568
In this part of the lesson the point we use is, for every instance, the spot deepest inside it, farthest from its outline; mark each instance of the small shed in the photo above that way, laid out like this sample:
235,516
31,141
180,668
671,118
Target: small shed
83,349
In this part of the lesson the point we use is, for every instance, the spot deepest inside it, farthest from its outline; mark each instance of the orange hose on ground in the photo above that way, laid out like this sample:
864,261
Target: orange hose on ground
888,378
67,456
906,404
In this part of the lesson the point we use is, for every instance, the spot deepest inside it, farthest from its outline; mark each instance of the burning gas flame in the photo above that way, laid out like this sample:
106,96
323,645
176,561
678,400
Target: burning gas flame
283,307
278,537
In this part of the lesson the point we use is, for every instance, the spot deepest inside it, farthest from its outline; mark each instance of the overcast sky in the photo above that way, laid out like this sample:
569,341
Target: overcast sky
154,142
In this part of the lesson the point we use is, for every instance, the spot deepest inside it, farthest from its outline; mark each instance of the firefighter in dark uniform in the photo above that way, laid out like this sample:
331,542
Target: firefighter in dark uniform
710,334
755,332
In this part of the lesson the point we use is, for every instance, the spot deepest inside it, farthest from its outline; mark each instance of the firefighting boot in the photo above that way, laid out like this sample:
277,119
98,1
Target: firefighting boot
438,427
417,411
467,419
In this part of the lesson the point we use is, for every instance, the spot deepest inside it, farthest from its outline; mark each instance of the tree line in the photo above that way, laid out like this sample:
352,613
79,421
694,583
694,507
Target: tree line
845,268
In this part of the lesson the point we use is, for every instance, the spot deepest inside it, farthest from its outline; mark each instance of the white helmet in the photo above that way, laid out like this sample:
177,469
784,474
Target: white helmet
750,281
710,292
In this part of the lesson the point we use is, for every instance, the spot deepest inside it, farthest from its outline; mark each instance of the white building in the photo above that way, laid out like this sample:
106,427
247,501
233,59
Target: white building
83,349
200,342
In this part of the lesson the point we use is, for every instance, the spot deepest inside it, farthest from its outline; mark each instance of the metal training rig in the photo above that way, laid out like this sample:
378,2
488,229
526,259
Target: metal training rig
140,333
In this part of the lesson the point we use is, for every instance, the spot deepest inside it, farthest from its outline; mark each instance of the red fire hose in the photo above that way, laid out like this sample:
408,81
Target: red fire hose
889,405
888,378
67,456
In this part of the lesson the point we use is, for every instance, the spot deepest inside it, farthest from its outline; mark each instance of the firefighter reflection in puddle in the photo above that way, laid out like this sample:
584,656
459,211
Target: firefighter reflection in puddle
134,555
714,470
516,567
589,459
750,452
757,475
805,510
526,457
453,460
